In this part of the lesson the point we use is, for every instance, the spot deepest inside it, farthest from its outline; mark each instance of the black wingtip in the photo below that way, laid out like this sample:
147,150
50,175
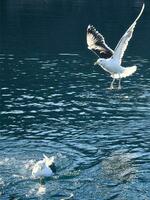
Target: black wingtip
91,28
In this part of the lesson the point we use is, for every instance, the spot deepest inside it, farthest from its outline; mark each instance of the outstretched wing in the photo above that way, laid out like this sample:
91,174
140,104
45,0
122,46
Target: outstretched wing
123,43
96,43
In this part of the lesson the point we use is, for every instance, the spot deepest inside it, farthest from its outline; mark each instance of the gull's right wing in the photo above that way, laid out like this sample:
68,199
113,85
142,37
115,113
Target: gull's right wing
96,43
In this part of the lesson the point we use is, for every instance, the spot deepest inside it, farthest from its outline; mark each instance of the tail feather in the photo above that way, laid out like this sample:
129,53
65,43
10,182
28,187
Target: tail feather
128,71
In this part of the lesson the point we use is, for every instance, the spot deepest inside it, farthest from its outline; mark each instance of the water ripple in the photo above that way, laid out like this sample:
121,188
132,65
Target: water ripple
61,106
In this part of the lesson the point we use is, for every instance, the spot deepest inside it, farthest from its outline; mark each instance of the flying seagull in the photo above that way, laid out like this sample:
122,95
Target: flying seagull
108,59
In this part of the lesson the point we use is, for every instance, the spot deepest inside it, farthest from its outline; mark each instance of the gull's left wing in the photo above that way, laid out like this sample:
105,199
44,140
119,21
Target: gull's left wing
123,43
96,43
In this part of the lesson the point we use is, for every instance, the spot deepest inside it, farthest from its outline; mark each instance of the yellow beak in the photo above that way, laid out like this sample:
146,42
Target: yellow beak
96,63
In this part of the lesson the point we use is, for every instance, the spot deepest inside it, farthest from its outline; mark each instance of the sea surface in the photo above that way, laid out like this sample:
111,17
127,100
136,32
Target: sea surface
54,101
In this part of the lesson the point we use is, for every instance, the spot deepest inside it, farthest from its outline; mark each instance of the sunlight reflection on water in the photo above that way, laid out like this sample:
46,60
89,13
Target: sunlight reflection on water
62,107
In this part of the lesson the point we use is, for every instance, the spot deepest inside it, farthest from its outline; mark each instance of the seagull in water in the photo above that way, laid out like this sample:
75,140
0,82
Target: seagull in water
44,168
111,60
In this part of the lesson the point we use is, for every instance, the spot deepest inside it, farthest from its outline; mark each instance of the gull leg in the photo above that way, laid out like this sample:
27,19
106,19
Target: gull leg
119,86
112,84
42,181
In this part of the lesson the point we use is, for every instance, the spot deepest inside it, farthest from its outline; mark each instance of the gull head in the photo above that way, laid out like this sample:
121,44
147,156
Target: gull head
100,61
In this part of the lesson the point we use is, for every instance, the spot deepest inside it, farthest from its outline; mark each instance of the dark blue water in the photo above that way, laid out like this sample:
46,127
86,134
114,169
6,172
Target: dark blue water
55,101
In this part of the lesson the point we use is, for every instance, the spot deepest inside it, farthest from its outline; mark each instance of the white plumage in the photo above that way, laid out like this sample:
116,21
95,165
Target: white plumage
111,60
43,168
